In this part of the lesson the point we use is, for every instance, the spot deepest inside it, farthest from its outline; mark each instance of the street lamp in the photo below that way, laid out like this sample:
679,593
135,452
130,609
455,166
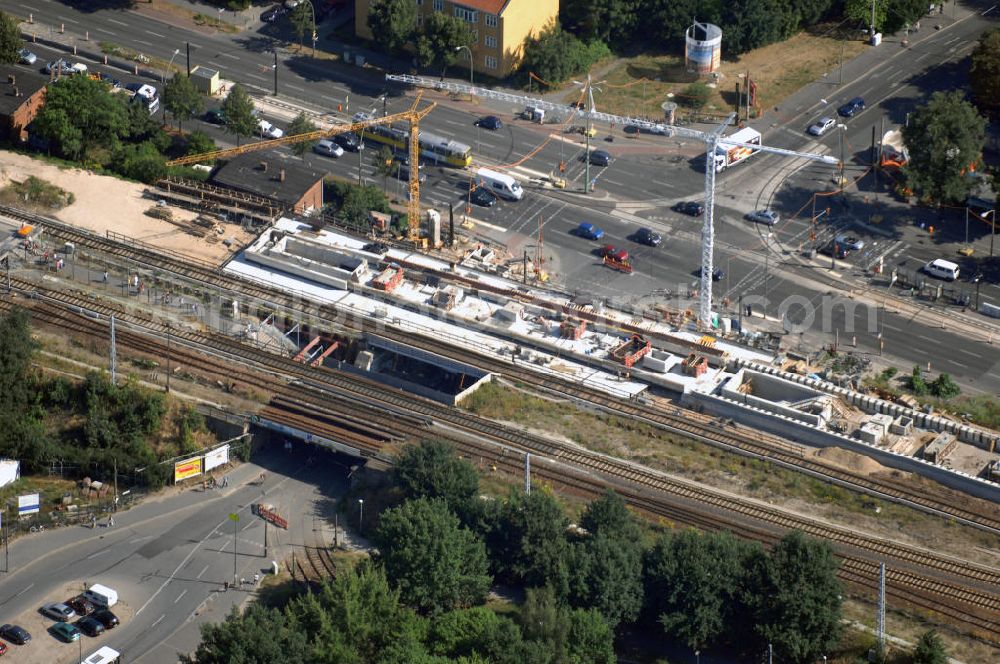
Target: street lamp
361,513
313,10
992,214
459,48
697,656
840,180
163,74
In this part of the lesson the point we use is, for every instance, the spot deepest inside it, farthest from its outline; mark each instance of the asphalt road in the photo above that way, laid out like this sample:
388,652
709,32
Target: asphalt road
651,173
168,558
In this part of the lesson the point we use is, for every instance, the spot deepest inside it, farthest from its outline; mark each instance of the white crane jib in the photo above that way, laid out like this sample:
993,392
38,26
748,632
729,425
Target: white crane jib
711,139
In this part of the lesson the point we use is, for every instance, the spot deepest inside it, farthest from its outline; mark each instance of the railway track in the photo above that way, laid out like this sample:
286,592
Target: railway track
980,584
736,438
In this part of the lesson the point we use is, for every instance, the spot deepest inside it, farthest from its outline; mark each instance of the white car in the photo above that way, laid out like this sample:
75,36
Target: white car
851,242
767,217
78,68
822,126
269,130
59,65
26,57
328,148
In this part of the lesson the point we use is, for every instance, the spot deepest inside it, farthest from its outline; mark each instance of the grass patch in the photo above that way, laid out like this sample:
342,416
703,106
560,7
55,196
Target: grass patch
214,22
640,84
36,194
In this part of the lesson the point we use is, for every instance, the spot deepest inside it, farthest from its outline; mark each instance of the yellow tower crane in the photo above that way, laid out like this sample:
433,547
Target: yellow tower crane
411,115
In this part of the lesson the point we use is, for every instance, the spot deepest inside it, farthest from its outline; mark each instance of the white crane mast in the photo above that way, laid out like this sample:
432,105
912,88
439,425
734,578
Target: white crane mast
711,140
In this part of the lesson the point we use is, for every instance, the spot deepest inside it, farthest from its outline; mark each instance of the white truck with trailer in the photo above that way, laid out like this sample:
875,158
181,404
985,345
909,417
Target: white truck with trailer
727,154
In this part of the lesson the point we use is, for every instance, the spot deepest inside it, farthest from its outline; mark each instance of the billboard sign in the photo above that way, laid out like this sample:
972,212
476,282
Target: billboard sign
28,504
185,469
217,457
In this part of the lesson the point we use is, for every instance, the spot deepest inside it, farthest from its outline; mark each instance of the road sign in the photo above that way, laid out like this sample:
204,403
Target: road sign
233,516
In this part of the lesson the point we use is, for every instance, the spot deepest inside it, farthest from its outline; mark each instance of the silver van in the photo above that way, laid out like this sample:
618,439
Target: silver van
942,269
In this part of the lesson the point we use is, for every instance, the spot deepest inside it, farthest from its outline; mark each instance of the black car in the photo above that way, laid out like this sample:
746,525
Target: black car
90,626
273,14
105,617
215,116
717,274
110,80
482,197
600,158
376,248
349,141
491,122
648,237
692,208
15,634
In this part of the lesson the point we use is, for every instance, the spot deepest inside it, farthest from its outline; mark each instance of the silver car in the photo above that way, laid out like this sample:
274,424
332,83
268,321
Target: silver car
766,216
26,57
328,148
851,242
822,126
58,611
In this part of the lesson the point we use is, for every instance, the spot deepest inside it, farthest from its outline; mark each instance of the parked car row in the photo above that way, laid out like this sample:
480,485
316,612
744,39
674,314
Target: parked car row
91,611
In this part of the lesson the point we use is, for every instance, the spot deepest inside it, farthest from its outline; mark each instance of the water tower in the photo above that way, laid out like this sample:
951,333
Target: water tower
703,48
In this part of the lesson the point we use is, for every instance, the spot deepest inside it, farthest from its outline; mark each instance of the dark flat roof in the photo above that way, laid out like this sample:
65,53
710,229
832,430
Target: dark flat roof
28,83
245,172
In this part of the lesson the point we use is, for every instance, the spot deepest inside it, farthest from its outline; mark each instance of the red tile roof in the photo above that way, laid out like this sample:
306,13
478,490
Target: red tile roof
489,6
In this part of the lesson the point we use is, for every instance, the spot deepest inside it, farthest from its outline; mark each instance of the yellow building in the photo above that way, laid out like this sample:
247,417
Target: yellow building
499,27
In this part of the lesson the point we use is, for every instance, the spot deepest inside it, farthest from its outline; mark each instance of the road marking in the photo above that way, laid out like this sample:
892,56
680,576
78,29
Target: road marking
259,78
249,525
141,539
294,87
111,20
145,43
30,586
107,32
229,55
202,572
99,553
155,34
968,352
183,592
31,8
926,338
157,620
68,20
988,10
477,222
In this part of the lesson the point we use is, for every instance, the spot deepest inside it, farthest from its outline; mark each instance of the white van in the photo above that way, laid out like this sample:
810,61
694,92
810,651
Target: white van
500,184
101,595
942,269
103,655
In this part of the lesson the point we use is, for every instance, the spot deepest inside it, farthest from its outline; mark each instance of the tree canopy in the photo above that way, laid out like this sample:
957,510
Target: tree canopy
182,98
557,55
944,137
431,470
301,124
301,19
256,635
10,39
441,35
436,564
984,75
393,22
80,115
930,649
528,542
237,109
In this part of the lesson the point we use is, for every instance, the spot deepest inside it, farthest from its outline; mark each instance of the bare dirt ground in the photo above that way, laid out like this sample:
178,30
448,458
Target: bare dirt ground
106,203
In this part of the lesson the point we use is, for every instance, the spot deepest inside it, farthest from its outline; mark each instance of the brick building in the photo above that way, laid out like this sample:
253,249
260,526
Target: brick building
22,94
291,184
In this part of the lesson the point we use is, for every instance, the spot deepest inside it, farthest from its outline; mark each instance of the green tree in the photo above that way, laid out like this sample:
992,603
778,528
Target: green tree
385,165
436,564
354,617
182,98
356,202
944,138
198,142
545,623
749,24
476,632
860,11
432,470
302,20
255,636
692,583
301,125
984,75
902,14
795,598
10,39
556,55
16,350
441,35
930,649
142,162
237,108
528,541
393,22
944,387
669,19
590,638
606,575
610,21
79,114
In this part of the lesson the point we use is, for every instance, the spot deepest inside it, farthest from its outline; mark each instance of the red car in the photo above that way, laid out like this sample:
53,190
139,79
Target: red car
614,252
